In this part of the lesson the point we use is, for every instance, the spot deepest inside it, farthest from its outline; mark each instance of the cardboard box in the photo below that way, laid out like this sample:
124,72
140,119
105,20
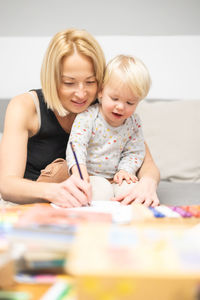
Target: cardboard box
113,262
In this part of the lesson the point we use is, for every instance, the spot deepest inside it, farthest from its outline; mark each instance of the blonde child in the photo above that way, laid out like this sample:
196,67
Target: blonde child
107,137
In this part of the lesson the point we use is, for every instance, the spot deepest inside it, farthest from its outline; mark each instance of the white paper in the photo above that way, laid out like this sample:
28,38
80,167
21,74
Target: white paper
120,213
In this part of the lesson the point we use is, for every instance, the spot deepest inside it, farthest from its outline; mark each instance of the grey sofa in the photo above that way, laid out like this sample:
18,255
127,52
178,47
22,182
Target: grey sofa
171,131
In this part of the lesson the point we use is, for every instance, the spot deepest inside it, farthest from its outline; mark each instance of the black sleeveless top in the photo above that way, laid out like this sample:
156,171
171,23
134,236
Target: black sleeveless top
48,144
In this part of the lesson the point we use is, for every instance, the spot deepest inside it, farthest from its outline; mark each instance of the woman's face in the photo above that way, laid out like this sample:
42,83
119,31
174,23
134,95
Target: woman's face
78,86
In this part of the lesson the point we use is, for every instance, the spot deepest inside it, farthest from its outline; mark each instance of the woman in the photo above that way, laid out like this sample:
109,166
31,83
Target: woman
38,123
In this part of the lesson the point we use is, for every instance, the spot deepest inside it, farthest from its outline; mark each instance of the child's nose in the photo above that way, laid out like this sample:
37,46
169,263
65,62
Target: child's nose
120,106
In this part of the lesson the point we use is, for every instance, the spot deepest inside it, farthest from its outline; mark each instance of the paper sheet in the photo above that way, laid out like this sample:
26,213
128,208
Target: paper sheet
120,213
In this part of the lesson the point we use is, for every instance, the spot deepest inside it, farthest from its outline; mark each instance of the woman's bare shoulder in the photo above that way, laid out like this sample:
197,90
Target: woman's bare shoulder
23,107
22,101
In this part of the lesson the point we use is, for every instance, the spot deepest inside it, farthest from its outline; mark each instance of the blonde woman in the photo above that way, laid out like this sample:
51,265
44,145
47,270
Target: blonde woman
38,124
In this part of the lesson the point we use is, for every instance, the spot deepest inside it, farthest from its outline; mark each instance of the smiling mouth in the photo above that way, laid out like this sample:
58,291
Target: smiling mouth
79,103
117,115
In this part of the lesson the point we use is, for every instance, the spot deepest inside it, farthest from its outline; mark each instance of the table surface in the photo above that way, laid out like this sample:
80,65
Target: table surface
38,290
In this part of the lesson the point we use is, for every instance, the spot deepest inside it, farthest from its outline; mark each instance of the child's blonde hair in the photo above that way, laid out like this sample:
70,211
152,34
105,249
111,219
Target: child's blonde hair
62,45
132,72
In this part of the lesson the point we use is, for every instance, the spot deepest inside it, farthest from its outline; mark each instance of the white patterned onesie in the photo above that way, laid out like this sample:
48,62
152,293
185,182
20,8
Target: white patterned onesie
105,149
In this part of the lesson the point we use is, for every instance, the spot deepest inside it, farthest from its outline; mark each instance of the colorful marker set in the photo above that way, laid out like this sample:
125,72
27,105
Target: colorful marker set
163,211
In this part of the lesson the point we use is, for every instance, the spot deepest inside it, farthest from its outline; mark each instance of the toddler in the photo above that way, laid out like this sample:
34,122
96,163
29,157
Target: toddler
107,137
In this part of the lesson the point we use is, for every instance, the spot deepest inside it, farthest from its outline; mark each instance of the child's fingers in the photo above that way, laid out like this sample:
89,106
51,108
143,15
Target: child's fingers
122,175
133,178
120,179
127,177
115,178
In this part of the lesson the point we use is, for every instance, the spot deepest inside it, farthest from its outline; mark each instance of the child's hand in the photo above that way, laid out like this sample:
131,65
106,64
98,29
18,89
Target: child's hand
123,175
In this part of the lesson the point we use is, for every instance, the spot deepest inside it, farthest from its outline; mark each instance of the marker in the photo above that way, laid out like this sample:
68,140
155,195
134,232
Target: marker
156,213
76,160
57,291
193,209
167,211
182,212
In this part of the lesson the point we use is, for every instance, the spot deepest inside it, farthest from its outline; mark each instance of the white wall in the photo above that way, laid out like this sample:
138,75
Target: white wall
164,34
173,62
104,17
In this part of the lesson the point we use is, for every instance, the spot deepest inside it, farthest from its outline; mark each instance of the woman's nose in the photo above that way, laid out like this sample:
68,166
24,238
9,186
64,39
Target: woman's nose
80,91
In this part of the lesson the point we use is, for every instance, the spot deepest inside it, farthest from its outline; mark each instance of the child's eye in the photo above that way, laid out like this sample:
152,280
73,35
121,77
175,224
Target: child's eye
114,99
130,103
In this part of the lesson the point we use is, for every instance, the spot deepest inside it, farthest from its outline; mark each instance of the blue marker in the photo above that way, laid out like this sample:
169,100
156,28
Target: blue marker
156,213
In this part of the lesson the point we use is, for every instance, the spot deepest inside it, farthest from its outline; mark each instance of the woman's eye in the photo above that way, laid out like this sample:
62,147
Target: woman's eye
114,99
91,82
68,83
130,103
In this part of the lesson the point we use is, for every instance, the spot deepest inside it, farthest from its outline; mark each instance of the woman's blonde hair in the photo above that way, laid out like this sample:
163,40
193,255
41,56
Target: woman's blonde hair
132,72
64,44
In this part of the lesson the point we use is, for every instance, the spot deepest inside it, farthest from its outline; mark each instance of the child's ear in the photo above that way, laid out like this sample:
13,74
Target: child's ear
99,96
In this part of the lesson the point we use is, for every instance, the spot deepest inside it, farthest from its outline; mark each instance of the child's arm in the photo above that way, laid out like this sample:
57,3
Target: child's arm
80,135
133,153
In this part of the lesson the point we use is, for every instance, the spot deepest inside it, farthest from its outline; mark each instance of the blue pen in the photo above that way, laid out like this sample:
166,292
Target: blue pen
76,160
77,163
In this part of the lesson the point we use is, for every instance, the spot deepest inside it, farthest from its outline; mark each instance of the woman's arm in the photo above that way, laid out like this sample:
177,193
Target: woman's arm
148,168
20,123
144,191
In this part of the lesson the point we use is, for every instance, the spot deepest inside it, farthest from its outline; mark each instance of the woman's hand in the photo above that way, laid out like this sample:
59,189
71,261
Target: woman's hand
143,192
123,175
73,192
84,172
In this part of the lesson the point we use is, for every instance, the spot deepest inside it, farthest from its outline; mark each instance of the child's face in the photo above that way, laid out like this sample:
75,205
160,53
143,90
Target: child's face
117,102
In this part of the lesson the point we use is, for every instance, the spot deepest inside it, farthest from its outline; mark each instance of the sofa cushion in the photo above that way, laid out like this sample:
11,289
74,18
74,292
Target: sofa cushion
171,132
179,193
